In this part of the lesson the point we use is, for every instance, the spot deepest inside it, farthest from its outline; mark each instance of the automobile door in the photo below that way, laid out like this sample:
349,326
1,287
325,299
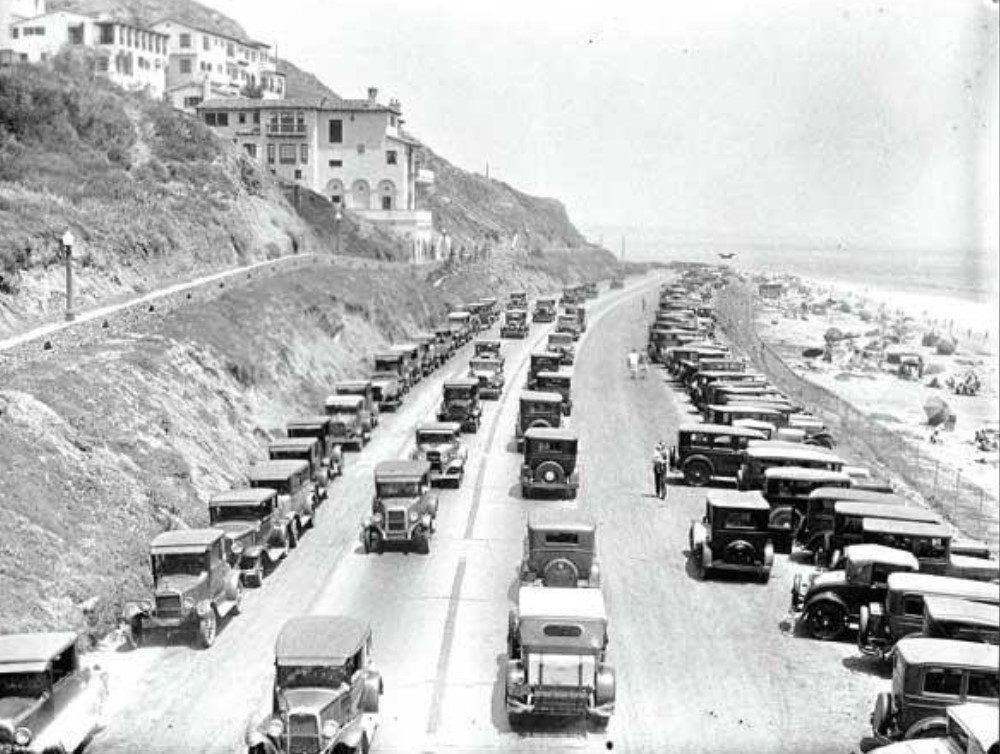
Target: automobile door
218,569
72,703
726,455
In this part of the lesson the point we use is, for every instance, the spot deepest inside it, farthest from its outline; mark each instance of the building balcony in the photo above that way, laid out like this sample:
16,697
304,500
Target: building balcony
287,129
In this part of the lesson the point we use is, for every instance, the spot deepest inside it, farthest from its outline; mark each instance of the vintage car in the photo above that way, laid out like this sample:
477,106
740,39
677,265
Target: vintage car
319,427
766,455
961,619
491,309
928,677
563,344
515,324
931,543
413,367
570,295
707,451
731,412
326,690
733,535
517,300
900,612
557,663
460,403
488,347
557,382
488,371
194,587
427,351
787,489
580,312
366,389
541,361
550,463
438,443
616,284
818,517
569,324
537,409
259,532
848,525
545,310
673,357
403,508
461,326
445,340
393,364
387,390
307,449
970,728
296,491
560,549
830,602
48,703
348,420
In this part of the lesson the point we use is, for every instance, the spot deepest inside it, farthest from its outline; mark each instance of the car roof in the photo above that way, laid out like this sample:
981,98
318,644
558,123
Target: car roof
487,341
796,452
453,427
884,511
722,429
242,496
388,355
563,519
271,470
958,609
308,421
32,652
947,586
750,500
979,719
560,602
919,650
549,433
293,443
556,375
872,553
184,540
401,469
851,494
800,472
403,346
905,527
745,408
344,401
361,382
545,354
462,382
540,396
319,640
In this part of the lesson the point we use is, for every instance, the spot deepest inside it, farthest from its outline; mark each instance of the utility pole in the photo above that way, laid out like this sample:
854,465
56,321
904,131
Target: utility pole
67,247
623,248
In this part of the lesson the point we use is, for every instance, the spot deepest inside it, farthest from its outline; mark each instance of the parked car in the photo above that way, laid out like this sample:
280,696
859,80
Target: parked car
541,361
427,349
347,412
517,300
830,602
296,491
557,661
569,324
488,372
560,549
259,531
194,587
393,364
579,311
403,508
488,347
818,519
515,324
307,449
387,390
461,326
961,619
707,451
970,728
413,367
326,689
928,677
48,703
900,612
557,382
733,535
446,345
787,489
848,525
460,403
440,445
545,310
550,462
563,344
366,389
319,427
759,457
537,409
931,543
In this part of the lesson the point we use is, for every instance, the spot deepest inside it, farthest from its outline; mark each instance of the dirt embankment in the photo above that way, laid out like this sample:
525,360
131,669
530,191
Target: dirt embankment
113,441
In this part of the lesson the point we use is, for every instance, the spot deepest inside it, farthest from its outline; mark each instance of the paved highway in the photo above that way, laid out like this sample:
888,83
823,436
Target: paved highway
701,666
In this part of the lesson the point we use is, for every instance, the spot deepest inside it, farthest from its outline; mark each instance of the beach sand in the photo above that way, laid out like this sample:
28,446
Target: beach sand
806,310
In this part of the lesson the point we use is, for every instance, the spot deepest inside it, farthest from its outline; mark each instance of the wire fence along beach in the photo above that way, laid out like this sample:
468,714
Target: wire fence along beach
965,504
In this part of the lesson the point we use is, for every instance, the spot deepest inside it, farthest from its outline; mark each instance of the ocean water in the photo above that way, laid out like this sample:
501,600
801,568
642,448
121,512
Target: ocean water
958,286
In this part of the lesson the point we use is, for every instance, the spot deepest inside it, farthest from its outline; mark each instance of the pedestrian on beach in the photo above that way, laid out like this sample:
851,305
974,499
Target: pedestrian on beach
660,470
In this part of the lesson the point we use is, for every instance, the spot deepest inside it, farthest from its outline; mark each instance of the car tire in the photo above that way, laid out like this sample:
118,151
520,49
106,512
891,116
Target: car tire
293,535
697,473
422,542
373,541
208,629
256,575
550,472
599,721
826,620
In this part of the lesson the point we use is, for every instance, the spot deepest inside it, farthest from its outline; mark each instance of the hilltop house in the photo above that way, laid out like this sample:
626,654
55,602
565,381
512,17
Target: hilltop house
353,152
205,65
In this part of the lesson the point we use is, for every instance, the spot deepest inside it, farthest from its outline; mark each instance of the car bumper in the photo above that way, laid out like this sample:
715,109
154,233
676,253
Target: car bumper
492,392
446,475
162,623
389,404
556,705
533,485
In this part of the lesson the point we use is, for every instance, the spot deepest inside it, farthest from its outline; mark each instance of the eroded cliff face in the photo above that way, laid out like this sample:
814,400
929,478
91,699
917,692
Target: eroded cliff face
108,442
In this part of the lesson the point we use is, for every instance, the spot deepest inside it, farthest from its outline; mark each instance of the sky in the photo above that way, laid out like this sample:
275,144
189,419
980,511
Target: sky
867,122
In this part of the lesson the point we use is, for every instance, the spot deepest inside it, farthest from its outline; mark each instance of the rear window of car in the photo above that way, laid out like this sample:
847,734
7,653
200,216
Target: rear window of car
562,538
984,685
562,630
945,681
739,520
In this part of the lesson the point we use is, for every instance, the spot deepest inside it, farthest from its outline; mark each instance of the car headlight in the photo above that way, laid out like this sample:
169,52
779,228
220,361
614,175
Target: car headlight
188,604
22,736
275,728
377,518
414,516
146,606
236,548
330,729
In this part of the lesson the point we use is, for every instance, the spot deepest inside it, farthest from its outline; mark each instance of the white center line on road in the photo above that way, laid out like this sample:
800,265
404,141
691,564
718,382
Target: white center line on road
437,699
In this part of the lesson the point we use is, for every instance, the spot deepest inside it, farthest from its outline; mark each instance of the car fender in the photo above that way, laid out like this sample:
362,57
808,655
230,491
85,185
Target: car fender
594,579
929,725
700,457
252,553
826,596
132,610
515,676
697,535
204,607
604,684
769,554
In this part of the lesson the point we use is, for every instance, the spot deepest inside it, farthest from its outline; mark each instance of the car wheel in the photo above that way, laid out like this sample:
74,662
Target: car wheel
256,575
373,541
826,620
697,473
600,721
421,542
293,535
208,628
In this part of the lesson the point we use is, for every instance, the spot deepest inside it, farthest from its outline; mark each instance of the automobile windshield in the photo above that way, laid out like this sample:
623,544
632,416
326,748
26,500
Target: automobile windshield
219,513
310,676
282,487
386,365
23,685
341,412
539,408
398,489
457,393
483,364
434,438
180,564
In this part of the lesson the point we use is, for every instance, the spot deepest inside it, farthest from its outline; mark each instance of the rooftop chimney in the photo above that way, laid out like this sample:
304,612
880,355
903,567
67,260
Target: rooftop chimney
372,94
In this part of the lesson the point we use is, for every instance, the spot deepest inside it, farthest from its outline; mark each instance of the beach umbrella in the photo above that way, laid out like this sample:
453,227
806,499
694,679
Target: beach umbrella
937,411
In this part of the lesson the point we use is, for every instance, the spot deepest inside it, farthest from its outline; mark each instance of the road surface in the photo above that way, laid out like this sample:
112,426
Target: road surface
702,666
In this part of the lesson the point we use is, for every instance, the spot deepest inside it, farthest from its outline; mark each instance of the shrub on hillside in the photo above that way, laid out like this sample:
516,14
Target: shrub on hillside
181,138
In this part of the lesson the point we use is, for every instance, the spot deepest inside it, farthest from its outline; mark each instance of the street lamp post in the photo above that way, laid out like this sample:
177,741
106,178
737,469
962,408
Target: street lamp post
67,247
337,217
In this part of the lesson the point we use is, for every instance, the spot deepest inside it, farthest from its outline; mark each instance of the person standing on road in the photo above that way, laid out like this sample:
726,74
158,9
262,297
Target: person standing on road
633,363
660,470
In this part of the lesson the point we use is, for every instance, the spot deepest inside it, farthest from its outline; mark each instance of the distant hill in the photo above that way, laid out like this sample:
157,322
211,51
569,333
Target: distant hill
145,12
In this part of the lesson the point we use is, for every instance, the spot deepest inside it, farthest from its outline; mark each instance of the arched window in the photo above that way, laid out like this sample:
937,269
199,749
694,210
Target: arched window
387,195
